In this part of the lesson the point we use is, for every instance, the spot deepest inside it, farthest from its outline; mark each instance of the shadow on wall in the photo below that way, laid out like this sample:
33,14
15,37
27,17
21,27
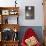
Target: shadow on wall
37,29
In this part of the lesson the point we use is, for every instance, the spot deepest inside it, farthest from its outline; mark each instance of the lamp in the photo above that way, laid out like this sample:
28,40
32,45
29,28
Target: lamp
15,3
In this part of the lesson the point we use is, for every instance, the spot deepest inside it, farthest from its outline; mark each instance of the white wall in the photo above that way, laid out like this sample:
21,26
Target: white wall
38,21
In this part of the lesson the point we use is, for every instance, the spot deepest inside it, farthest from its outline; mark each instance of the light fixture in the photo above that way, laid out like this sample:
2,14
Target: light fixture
15,3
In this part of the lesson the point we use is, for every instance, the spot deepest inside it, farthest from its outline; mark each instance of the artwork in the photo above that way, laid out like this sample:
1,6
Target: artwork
8,34
13,12
29,12
30,38
5,12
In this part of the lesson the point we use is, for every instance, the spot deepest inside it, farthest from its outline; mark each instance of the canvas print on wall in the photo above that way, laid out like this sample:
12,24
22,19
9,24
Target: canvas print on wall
29,12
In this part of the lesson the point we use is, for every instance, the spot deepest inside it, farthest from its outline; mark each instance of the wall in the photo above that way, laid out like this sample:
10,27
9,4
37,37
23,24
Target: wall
38,21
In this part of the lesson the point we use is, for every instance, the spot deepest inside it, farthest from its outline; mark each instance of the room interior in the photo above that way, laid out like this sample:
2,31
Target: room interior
17,16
